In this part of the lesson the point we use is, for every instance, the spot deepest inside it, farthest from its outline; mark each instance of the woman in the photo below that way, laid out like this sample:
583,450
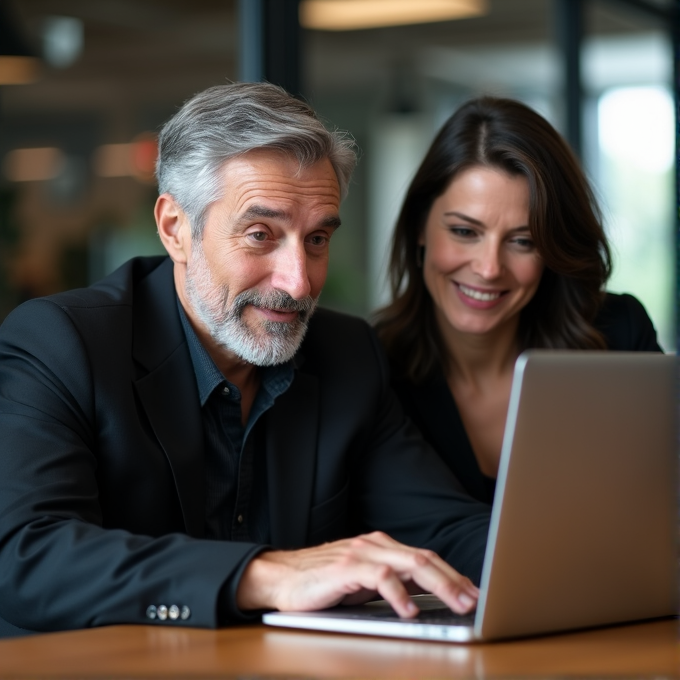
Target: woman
498,248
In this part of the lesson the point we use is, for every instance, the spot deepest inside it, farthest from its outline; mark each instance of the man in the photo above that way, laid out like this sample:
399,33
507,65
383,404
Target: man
173,452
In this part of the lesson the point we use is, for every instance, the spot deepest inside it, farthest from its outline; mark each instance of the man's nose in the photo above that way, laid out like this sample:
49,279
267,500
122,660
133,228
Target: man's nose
290,271
488,261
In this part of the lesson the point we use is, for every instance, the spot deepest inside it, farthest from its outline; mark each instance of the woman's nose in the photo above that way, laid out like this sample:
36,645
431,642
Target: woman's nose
488,261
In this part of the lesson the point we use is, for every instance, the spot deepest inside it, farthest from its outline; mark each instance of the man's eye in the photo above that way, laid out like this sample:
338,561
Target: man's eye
318,240
258,236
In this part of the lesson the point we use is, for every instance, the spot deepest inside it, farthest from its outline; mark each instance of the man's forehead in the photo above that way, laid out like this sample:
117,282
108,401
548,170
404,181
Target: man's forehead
272,162
263,181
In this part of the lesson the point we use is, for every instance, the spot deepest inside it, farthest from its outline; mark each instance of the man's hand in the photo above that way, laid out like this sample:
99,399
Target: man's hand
352,571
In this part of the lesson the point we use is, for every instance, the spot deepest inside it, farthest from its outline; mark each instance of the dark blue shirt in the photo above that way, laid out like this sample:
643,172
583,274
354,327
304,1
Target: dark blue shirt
237,507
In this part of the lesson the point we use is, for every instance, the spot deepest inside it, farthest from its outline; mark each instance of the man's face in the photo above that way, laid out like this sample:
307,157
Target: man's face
255,277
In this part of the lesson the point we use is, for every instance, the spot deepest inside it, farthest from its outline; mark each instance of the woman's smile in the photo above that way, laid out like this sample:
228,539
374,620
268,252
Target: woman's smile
471,295
480,264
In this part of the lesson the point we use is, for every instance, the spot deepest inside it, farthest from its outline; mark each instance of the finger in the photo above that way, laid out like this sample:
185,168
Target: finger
381,547
423,567
381,539
383,580
454,589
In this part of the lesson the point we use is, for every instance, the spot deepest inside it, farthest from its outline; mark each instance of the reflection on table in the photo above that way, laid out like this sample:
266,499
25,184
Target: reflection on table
647,650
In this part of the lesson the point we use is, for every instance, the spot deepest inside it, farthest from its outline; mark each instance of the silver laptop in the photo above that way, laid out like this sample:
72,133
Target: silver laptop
584,525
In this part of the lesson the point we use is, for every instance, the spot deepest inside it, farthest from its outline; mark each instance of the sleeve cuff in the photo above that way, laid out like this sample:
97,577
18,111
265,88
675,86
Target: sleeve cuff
227,611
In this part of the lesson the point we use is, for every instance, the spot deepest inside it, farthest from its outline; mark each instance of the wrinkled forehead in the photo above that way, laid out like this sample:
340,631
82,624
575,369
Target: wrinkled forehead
273,188
278,175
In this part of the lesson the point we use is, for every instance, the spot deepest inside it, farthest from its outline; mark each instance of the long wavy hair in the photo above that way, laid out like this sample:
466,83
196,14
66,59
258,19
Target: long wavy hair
564,221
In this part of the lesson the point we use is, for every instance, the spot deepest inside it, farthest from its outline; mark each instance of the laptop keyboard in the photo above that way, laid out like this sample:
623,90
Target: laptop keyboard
444,617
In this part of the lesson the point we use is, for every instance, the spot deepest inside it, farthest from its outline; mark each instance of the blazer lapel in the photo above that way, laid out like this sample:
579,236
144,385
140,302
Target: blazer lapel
291,441
167,390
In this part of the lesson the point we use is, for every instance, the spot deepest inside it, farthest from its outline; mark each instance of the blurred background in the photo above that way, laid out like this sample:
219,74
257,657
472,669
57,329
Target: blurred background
85,85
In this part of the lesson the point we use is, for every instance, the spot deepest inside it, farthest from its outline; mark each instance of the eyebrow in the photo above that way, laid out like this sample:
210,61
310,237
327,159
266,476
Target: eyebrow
261,211
462,216
467,218
332,221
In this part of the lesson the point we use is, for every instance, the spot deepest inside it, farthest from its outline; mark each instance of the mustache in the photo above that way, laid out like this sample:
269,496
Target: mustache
275,299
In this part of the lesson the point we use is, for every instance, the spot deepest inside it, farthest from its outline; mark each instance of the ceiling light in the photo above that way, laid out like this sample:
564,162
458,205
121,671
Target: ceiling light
113,160
33,165
62,40
18,70
133,159
345,15
18,62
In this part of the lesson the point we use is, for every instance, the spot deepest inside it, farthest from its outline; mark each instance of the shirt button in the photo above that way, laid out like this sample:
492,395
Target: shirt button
173,612
151,612
162,612
226,391
185,613
239,519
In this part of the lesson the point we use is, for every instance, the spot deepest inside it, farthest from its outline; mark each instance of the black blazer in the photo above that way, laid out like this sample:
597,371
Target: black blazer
626,327
102,504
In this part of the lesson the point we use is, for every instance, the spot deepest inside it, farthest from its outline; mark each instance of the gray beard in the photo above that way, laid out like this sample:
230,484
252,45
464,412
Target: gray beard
272,342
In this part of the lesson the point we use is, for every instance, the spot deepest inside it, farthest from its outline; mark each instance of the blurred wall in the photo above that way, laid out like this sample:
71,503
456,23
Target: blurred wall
77,145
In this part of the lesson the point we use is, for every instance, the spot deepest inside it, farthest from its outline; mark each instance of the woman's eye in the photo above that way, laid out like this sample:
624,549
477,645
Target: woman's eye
524,243
462,232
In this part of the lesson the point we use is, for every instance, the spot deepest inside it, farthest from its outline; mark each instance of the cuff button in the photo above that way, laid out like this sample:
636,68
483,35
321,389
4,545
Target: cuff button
185,613
162,612
151,612
173,612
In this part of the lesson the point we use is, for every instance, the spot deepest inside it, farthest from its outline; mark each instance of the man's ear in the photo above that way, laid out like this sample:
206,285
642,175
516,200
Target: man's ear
173,228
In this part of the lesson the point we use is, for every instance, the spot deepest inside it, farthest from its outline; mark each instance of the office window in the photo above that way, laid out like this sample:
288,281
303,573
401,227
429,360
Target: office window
394,86
77,146
629,151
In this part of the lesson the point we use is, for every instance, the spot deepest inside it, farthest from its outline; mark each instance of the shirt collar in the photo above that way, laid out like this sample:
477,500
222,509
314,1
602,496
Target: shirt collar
275,379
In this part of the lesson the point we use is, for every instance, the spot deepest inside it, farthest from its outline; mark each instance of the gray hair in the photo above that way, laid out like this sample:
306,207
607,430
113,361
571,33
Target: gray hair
226,121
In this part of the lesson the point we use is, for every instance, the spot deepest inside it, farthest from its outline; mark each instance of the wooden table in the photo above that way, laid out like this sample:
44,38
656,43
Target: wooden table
649,650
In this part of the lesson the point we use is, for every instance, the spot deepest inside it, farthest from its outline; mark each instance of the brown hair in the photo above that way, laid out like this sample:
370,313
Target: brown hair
564,221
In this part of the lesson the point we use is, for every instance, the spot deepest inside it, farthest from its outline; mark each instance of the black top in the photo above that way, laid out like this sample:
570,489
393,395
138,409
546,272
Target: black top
626,327
235,466
103,452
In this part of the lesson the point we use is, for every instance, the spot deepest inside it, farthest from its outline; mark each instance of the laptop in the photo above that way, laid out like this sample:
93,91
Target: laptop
584,525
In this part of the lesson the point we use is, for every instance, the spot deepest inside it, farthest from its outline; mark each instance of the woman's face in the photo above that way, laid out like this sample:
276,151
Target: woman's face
480,264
